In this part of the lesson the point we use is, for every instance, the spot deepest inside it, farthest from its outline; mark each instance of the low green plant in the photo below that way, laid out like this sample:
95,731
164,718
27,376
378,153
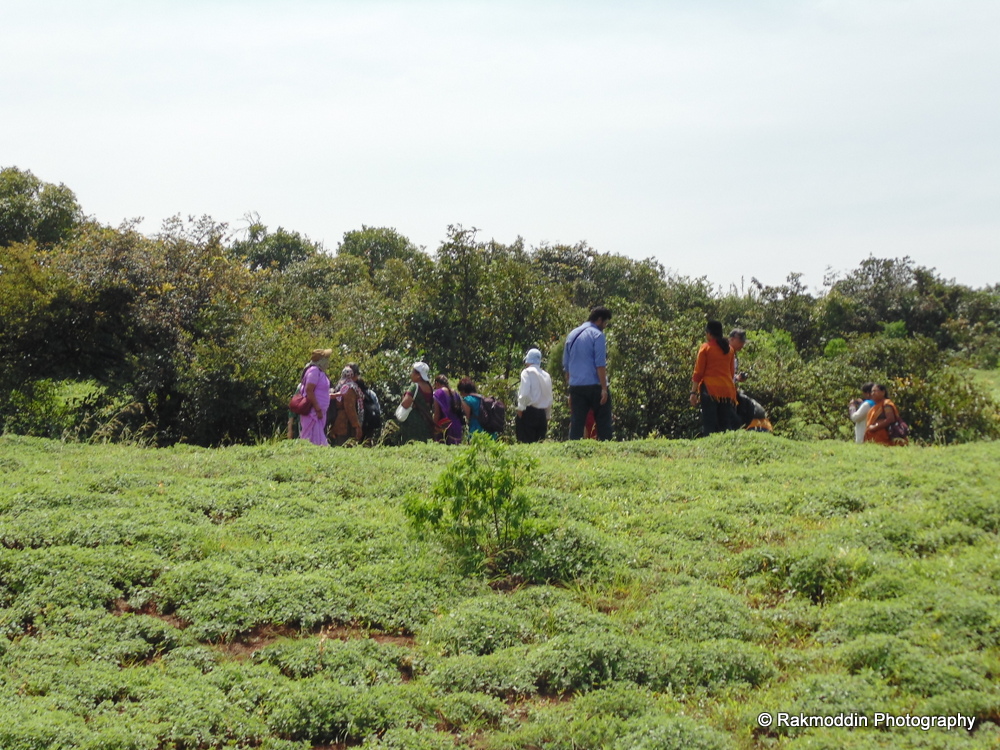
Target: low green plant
479,505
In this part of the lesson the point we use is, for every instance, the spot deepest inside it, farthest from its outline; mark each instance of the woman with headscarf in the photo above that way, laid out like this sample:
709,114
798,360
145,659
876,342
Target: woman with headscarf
350,408
454,411
420,423
316,388
712,383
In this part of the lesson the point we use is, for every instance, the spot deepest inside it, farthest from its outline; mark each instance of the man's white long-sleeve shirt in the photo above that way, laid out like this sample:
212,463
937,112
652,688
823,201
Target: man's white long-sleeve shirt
535,390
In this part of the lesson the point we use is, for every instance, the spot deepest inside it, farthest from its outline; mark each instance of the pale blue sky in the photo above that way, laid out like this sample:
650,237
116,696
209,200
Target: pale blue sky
725,139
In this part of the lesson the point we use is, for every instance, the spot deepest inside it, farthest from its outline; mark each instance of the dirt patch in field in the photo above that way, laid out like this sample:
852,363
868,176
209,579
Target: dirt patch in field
123,607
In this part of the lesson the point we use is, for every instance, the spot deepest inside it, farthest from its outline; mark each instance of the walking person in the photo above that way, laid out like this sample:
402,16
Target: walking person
881,416
453,410
316,389
421,425
534,400
347,424
585,367
712,384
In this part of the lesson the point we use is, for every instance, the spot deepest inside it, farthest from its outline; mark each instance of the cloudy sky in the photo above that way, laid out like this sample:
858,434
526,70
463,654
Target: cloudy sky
726,139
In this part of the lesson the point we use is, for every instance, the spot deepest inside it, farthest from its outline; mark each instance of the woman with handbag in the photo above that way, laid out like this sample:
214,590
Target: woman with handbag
881,417
315,386
418,413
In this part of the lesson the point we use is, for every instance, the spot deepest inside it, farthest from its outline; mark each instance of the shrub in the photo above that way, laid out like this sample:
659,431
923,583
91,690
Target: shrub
505,674
899,663
672,733
585,660
696,612
712,665
564,551
357,662
478,505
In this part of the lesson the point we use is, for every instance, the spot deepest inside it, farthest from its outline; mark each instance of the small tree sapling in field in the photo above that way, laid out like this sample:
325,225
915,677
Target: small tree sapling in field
479,505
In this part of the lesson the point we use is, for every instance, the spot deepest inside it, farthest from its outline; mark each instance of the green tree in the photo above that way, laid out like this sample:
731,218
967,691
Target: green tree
376,246
31,209
261,249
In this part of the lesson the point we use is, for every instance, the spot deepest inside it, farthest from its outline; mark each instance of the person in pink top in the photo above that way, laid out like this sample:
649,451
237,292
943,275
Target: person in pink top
316,385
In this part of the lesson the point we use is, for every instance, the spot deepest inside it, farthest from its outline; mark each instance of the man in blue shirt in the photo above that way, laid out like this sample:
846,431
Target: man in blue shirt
585,361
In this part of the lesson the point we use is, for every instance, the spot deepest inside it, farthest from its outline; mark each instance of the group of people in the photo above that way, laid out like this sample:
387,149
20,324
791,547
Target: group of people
358,415
714,385
432,410
874,417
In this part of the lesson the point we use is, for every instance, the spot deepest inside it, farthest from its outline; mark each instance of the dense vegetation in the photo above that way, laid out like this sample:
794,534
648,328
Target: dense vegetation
197,334
665,594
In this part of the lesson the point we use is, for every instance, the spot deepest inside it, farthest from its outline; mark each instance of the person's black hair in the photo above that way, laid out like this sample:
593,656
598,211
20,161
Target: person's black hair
867,388
441,380
354,368
738,333
599,313
466,385
881,388
714,329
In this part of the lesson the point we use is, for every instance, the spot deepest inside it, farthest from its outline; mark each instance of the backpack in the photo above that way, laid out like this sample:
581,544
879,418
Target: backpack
372,413
492,414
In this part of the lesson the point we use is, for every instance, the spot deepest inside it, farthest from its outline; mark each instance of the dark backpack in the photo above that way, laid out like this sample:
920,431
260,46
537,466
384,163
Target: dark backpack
372,421
492,414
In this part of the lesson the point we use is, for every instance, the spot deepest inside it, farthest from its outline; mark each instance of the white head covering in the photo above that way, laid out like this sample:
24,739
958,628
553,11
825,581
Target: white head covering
424,370
533,357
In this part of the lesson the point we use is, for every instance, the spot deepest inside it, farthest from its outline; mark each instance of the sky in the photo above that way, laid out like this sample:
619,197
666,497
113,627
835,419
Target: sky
725,139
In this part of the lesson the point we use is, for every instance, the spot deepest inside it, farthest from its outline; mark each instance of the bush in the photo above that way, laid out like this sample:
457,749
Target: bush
672,733
478,505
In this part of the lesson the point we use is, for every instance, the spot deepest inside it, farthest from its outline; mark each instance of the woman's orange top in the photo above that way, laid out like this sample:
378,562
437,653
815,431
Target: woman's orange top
715,370
877,412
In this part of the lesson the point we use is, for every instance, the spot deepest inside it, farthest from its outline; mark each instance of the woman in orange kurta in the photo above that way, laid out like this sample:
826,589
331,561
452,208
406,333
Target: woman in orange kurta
880,416
712,382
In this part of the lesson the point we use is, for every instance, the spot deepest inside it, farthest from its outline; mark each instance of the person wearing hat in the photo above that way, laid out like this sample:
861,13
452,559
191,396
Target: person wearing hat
534,400
316,388
421,410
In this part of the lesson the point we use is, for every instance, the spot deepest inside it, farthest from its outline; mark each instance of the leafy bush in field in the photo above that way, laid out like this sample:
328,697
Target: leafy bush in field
822,573
696,612
488,623
405,738
552,550
592,720
711,665
672,733
354,662
469,711
321,710
479,505
585,660
822,695
899,663
504,674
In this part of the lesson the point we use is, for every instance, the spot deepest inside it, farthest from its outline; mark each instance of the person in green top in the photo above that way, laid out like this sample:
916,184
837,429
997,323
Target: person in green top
420,423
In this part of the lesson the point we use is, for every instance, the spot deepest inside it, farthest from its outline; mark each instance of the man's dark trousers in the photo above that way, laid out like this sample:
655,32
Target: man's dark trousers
583,398
531,426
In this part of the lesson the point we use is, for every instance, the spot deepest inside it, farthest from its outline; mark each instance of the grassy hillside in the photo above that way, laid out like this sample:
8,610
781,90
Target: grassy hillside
276,597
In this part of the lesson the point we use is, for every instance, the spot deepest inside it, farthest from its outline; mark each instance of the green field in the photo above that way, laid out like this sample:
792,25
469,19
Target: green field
276,597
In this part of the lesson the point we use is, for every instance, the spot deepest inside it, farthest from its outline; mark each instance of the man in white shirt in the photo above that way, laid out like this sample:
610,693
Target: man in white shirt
534,400
858,409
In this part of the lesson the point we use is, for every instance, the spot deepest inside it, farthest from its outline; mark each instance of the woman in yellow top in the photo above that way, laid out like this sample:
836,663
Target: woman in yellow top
880,416
712,383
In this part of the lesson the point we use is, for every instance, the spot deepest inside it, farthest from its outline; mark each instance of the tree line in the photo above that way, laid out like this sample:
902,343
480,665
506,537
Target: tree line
197,333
